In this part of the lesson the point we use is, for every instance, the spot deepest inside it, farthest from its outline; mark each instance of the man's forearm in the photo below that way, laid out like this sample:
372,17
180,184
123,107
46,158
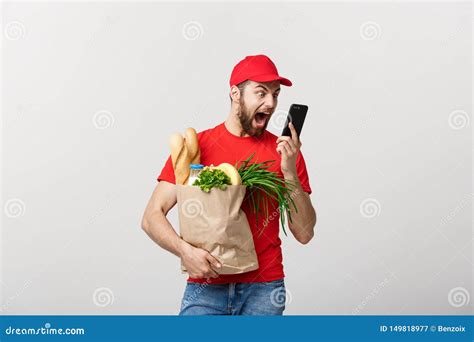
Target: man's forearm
303,221
160,230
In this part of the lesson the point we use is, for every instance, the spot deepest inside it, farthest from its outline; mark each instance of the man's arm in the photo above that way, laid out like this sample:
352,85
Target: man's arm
303,221
197,261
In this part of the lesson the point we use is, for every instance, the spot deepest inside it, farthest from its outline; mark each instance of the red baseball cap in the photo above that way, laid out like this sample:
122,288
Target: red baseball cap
257,68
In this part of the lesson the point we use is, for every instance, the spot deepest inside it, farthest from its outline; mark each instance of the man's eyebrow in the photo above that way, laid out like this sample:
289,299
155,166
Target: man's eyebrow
262,86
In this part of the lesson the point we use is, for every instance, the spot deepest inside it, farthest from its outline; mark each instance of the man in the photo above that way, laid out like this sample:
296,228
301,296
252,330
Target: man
254,90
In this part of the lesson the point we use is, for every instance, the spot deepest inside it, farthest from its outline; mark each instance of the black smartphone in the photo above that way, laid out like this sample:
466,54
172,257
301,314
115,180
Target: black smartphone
296,115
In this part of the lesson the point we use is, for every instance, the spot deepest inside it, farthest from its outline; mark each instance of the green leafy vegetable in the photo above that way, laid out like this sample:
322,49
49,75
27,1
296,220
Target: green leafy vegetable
212,178
260,182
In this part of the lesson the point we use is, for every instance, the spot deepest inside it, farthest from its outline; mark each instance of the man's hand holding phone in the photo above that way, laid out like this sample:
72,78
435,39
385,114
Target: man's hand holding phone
289,144
289,148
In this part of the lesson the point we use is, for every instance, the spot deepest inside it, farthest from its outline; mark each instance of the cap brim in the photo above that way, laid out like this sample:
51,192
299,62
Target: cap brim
271,77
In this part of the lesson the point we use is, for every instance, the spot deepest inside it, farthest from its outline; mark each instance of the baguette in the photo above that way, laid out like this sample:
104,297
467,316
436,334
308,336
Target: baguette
180,158
192,144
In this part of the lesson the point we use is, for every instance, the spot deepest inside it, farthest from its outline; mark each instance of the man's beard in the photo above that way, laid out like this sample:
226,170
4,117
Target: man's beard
246,119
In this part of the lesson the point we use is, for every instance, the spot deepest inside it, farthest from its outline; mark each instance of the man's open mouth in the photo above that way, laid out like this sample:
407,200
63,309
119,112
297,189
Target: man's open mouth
261,119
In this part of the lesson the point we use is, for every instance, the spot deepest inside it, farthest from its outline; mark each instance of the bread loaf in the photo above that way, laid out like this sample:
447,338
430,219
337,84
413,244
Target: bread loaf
192,145
184,151
180,158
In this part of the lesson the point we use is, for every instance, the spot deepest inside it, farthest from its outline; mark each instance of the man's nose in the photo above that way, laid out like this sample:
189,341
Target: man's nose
270,102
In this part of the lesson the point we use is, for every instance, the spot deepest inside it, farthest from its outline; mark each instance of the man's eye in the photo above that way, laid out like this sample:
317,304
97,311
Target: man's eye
261,93
275,96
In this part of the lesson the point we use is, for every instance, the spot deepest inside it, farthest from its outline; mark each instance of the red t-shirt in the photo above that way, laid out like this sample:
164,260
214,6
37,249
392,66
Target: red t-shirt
217,146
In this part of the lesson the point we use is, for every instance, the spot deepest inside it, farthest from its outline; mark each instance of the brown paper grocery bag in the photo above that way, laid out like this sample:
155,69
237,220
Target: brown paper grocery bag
214,221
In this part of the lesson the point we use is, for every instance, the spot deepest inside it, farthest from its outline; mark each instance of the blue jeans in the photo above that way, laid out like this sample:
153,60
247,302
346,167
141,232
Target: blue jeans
262,298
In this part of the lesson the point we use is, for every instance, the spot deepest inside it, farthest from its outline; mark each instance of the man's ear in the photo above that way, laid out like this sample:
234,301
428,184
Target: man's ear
234,93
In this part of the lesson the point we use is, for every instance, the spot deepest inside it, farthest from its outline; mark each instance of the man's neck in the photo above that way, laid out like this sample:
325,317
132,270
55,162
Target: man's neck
233,125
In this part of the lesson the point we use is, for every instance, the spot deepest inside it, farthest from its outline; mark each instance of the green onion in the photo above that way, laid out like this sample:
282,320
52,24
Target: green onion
262,185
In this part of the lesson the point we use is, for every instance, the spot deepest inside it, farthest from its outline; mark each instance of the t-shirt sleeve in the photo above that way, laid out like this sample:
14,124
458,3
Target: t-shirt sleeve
303,173
167,173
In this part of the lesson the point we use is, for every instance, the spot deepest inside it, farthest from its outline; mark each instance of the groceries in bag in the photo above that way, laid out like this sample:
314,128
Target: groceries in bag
209,203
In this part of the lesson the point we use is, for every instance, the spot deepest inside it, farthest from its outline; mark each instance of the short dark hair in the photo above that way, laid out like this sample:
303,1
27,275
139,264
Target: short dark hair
241,87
